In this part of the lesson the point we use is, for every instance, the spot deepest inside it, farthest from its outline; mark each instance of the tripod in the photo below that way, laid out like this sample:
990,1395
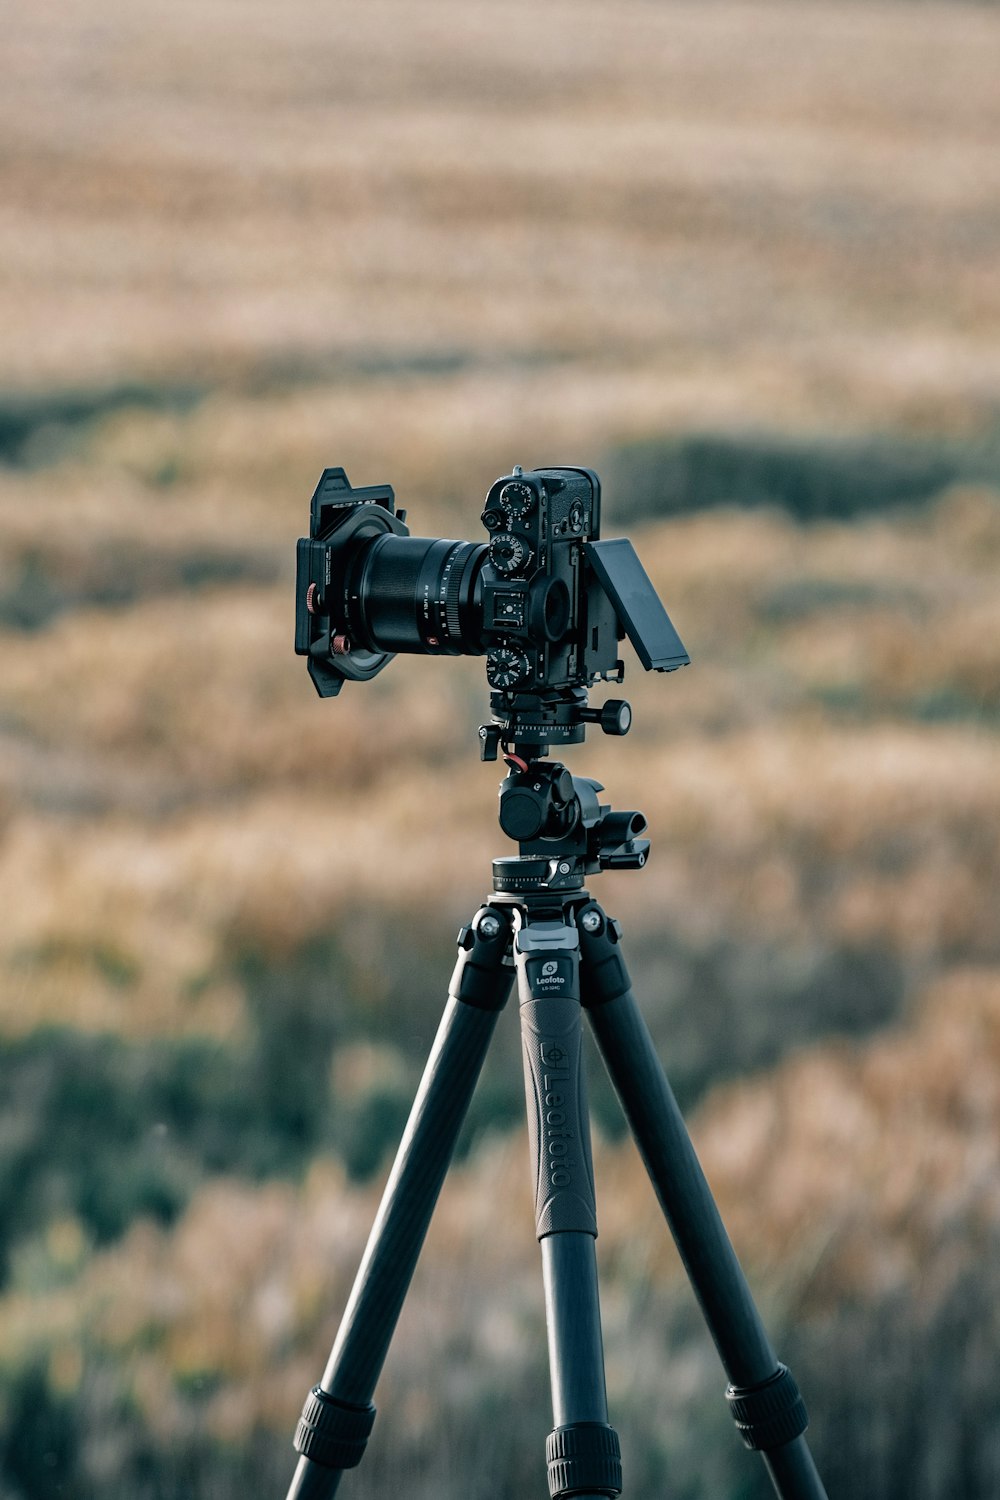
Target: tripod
567,956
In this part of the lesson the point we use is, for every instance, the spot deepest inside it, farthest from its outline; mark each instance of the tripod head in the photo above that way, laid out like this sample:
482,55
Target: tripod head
526,724
563,830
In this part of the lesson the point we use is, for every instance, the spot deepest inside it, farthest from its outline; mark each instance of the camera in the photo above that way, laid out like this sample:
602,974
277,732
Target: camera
544,598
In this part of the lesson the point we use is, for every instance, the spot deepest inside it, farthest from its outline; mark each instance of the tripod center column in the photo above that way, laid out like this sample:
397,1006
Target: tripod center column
547,955
582,1452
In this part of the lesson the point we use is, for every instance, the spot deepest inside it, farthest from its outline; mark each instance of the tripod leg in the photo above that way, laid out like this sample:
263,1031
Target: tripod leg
582,1451
338,1415
763,1397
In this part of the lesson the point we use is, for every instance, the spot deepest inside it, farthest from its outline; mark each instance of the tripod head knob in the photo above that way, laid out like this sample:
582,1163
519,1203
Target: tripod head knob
537,803
563,830
614,716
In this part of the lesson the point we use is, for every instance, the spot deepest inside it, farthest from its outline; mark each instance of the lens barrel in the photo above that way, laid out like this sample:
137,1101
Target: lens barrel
418,594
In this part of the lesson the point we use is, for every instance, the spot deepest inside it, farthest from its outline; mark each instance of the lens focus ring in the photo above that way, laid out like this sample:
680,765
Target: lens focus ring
454,571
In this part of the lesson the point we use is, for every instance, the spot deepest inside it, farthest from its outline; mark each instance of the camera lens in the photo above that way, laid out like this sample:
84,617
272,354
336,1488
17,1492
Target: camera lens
417,594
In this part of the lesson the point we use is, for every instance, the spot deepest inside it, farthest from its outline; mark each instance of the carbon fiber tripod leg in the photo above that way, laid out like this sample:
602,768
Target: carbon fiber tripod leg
763,1398
582,1451
338,1413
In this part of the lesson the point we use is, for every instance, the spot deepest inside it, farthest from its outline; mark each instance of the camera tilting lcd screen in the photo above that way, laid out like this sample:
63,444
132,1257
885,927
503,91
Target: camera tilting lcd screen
637,604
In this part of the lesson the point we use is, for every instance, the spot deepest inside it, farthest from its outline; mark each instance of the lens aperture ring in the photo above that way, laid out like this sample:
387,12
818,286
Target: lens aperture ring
456,567
438,575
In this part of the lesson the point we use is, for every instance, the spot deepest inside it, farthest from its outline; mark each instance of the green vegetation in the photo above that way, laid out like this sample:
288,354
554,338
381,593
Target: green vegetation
40,428
104,1131
815,478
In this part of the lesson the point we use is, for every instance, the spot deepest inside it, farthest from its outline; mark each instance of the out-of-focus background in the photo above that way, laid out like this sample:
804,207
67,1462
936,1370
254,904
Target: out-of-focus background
742,259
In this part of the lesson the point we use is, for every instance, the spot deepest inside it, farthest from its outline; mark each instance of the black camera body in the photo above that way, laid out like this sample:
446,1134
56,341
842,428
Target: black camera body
544,599
547,623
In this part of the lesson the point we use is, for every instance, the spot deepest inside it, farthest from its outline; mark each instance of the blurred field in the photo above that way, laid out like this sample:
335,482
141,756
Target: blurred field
872,1173
612,181
742,259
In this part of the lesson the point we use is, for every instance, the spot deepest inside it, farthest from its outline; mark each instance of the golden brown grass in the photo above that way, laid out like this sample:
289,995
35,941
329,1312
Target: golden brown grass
211,793
848,1173
783,191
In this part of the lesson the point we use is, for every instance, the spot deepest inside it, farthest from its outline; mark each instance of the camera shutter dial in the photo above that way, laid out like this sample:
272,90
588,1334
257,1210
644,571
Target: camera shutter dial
517,499
509,554
507,666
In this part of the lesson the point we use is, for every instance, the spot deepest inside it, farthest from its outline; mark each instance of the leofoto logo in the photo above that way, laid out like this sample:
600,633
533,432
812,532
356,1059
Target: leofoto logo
549,976
558,1135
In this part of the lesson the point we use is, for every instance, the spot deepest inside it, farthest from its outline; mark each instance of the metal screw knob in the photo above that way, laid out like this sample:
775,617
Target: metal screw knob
488,925
591,921
616,716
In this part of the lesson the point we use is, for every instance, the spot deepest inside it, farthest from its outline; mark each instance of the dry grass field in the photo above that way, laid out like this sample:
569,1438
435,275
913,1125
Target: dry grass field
743,259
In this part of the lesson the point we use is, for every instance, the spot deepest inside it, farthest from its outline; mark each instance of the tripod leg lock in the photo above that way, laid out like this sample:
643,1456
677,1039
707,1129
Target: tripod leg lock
584,1458
481,978
603,975
332,1433
769,1415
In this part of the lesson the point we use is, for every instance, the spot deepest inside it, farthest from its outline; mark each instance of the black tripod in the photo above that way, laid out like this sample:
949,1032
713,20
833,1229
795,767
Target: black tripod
567,956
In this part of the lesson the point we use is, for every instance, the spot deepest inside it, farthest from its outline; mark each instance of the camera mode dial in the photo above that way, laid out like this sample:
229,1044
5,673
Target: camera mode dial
507,666
517,499
508,554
